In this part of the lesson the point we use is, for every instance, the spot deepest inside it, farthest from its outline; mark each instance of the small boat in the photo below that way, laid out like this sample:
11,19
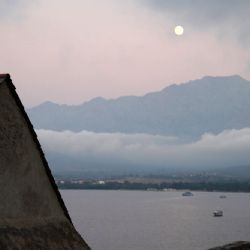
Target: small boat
223,196
218,213
187,194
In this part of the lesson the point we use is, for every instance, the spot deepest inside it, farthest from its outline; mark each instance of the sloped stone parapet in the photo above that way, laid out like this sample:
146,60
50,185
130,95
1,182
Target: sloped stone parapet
33,215
50,234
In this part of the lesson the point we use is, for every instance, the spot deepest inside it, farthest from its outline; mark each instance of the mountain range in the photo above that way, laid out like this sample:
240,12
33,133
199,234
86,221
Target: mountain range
209,104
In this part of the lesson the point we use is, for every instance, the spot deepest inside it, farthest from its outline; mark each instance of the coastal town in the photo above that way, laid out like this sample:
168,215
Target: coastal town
196,181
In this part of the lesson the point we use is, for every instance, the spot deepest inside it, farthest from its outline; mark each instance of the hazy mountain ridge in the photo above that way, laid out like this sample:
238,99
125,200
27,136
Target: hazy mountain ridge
210,104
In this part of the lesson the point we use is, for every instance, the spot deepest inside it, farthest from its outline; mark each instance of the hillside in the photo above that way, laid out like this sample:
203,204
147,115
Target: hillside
210,104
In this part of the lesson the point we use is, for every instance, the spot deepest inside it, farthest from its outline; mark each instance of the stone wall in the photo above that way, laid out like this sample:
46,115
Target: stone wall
24,185
41,235
32,213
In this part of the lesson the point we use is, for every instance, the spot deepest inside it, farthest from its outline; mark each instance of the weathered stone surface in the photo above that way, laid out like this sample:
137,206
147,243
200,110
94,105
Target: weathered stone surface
52,234
239,245
32,212
24,184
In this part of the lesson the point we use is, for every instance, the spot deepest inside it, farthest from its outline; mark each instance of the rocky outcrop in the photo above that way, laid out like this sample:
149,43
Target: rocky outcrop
239,245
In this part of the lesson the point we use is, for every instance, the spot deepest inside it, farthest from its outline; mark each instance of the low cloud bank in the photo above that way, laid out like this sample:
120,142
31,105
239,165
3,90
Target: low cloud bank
144,151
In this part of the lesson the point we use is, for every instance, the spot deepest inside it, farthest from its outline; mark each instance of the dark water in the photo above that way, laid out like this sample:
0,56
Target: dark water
141,220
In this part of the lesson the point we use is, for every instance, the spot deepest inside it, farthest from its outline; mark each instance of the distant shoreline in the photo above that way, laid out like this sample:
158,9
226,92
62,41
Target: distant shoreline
156,191
233,186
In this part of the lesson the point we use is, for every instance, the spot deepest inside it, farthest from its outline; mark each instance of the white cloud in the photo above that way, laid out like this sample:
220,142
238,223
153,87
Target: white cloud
229,148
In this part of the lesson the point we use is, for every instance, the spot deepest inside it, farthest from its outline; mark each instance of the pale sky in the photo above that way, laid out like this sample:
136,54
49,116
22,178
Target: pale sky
72,51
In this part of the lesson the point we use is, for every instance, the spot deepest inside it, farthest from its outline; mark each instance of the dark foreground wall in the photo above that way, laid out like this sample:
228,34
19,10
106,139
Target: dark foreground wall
32,213
43,235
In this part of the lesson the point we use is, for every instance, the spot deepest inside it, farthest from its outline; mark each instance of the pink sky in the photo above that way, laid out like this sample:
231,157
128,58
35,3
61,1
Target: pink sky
72,51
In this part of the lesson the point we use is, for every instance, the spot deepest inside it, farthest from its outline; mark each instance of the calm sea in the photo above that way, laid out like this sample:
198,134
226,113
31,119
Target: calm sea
143,220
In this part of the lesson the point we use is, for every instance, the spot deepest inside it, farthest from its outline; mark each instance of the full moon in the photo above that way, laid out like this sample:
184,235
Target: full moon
178,30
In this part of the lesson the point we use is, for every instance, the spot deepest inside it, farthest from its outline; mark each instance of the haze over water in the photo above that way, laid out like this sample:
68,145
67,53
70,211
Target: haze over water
140,220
